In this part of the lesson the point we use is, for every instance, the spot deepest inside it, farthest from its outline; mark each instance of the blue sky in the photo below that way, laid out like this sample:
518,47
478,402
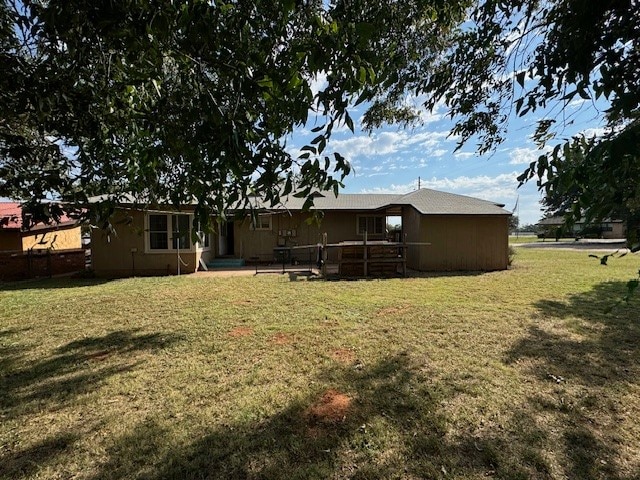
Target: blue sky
390,159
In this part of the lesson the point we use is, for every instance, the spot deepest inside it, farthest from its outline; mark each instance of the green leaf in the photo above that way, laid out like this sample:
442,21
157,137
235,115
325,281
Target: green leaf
348,121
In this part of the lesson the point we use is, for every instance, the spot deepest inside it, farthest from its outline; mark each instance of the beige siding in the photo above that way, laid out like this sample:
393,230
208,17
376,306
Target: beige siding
125,255
464,242
617,231
411,221
62,239
339,226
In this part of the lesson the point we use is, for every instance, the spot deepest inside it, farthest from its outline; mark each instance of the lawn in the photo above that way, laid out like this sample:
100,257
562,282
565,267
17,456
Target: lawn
514,375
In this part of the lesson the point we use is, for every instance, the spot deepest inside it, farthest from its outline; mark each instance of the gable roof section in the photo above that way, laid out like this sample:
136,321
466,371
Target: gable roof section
434,202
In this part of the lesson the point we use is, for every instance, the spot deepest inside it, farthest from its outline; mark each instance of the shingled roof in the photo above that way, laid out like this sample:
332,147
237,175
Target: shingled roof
425,201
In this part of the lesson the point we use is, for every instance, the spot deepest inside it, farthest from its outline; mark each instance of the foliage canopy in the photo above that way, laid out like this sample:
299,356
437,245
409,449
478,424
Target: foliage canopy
192,102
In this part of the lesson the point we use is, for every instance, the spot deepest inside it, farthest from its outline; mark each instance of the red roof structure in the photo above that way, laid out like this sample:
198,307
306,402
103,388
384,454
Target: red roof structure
11,218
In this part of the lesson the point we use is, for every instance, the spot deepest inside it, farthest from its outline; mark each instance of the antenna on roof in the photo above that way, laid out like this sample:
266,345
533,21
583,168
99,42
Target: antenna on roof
418,183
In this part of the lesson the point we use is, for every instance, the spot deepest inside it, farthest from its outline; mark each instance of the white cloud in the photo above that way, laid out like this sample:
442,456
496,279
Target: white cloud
597,132
524,155
438,153
319,82
389,142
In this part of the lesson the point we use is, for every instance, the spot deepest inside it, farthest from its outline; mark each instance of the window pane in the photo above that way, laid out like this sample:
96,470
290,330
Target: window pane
158,223
158,240
373,225
181,232
362,224
379,227
158,235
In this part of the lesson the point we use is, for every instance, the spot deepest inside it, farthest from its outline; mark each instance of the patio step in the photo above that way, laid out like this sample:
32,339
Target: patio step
226,263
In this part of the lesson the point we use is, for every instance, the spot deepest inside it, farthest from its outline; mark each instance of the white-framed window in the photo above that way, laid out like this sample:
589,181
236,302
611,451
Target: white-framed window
168,232
262,222
372,224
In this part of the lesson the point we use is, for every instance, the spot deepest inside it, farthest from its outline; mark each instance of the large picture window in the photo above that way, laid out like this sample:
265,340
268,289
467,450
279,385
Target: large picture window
169,232
373,225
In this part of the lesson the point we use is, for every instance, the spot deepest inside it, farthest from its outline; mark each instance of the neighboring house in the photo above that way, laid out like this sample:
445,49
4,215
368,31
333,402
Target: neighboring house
463,233
14,237
42,250
554,227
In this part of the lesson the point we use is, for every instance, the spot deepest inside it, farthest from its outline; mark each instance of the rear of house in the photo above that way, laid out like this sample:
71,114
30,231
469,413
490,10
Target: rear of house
444,232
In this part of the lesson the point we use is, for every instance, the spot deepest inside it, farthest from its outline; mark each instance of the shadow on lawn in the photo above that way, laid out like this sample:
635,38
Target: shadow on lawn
324,435
75,368
603,348
394,427
52,283
586,358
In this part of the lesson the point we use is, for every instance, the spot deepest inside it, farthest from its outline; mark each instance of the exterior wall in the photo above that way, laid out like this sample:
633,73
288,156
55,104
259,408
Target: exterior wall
61,239
617,230
10,241
411,222
124,254
251,244
464,243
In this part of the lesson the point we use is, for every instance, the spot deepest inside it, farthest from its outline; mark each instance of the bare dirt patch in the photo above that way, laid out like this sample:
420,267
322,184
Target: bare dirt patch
343,355
332,408
282,339
241,332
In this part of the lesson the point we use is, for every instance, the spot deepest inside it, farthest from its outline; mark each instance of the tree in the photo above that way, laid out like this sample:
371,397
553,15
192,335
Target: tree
514,221
187,102
527,56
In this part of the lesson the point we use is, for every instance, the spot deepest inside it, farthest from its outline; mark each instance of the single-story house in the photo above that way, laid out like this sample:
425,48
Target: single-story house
554,227
445,232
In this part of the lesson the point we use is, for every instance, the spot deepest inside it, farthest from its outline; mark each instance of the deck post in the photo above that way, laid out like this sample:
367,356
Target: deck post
404,256
365,267
324,255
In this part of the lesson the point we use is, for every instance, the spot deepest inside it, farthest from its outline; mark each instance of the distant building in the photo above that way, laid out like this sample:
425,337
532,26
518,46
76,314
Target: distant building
554,227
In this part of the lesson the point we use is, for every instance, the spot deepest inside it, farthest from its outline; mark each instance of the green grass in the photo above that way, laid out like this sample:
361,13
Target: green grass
514,375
